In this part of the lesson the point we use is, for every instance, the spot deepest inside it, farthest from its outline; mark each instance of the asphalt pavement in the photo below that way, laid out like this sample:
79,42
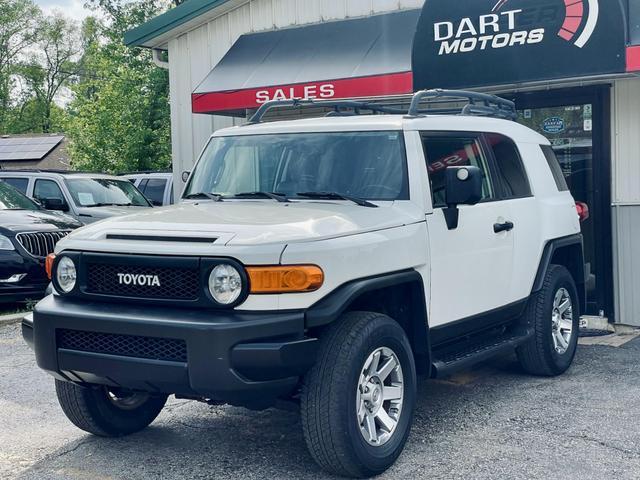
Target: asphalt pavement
492,422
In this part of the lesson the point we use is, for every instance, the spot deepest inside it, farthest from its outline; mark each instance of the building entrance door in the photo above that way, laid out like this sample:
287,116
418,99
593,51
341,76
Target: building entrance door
577,122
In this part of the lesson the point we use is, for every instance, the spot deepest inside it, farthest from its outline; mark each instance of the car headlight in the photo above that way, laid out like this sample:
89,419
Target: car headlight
66,274
5,243
225,284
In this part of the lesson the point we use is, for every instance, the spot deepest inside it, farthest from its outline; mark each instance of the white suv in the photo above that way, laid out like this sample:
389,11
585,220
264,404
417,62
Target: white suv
323,262
87,197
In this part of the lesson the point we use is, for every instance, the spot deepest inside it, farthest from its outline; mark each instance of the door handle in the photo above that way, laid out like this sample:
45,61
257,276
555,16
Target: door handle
503,227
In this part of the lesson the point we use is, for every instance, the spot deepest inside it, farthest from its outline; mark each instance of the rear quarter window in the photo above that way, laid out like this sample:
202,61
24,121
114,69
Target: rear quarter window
556,170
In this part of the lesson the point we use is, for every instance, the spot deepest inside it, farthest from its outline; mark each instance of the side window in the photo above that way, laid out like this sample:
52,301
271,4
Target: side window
19,184
154,191
143,184
455,150
556,170
510,170
47,189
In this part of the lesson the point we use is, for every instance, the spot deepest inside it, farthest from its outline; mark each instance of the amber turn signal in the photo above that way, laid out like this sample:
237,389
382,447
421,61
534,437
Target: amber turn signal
285,279
48,264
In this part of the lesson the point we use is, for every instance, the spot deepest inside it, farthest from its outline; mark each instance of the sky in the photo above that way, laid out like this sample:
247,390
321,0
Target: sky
70,8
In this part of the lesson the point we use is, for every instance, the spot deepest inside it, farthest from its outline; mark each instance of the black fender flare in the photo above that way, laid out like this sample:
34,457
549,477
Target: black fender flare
330,308
550,249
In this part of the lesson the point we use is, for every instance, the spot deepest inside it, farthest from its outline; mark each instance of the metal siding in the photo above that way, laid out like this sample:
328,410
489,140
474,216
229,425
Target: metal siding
285,13
358,8
203,46
309,11
261,15
333,9
201,125
626,136
385,5
627,259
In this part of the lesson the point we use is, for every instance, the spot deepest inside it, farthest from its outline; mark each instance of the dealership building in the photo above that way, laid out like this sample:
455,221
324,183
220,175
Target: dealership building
571,66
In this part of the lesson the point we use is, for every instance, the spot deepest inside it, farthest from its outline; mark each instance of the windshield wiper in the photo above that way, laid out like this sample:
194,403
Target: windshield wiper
211,196
278,197
337,196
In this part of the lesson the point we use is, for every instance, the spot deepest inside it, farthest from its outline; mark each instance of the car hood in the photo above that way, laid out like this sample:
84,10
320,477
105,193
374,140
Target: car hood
35,220
93,214
247,223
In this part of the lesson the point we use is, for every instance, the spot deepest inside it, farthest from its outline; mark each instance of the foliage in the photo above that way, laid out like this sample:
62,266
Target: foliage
119,119
51,64
18,26
110,100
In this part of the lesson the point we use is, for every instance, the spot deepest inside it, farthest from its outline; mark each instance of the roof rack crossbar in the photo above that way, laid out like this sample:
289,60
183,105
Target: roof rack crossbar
476,104
335,104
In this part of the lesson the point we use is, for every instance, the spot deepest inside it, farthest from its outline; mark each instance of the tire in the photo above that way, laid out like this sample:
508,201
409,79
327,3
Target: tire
96,411
540,355
331,395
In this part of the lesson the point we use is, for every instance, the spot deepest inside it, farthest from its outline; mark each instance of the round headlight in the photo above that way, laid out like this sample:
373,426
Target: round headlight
66,274
225,284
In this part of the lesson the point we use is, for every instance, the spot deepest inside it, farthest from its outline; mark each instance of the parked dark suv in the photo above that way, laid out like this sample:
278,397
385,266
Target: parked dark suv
28,233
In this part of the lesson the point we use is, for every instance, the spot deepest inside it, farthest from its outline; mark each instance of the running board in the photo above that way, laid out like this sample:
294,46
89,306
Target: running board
448,362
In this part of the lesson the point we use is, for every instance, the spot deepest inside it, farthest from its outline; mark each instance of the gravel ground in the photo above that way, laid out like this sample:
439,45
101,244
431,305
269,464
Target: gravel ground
490,422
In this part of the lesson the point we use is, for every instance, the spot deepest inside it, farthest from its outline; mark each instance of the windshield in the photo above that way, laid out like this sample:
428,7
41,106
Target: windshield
367,165
97,192
12,199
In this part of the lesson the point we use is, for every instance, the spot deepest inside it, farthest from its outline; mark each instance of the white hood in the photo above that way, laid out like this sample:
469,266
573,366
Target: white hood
247,223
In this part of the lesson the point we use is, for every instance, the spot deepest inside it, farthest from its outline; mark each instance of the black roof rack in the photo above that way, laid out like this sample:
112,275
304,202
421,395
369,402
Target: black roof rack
476,104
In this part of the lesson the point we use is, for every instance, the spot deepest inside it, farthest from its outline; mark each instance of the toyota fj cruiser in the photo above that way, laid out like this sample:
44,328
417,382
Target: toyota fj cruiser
323,262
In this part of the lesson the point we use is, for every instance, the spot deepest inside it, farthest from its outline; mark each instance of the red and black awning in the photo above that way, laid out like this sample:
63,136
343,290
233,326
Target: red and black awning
366,57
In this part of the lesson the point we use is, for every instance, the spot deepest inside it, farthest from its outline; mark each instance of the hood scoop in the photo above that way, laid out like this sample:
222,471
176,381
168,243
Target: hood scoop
160,238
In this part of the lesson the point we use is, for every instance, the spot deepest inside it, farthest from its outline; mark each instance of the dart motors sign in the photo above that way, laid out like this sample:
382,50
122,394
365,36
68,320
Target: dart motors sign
475,43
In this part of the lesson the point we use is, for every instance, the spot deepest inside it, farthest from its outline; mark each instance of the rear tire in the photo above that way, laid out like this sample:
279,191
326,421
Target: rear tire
554,315
106,413
345,393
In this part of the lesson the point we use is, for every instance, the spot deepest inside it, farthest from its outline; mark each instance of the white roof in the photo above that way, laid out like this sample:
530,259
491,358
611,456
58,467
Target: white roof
434,123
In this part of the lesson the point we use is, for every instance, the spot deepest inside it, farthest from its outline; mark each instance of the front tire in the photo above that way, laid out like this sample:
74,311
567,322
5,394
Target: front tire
108,412
554,315
359,398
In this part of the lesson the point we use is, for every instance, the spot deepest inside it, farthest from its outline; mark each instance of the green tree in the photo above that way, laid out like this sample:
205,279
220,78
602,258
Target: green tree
52,64
119,118
18,28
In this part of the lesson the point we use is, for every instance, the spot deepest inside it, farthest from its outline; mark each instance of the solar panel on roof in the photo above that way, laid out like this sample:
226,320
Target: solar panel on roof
27,148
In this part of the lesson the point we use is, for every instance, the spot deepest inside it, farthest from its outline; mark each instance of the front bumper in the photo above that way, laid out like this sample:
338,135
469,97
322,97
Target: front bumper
240,358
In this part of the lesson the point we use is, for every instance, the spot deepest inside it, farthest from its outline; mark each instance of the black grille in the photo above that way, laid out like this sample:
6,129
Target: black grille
166,349
40,244
116,280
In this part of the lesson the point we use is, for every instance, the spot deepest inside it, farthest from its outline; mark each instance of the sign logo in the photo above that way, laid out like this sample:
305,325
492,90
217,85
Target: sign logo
138,280
504,28
306,92
576,23
471,44
553,125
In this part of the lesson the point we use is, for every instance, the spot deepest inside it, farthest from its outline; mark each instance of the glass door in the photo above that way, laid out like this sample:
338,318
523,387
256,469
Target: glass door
577,125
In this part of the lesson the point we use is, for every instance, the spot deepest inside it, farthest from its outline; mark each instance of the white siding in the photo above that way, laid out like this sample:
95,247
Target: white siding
626,199
192,55
626,142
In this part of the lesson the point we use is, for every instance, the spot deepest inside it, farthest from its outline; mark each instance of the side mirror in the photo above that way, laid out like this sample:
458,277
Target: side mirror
57,204
185,176
463,187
